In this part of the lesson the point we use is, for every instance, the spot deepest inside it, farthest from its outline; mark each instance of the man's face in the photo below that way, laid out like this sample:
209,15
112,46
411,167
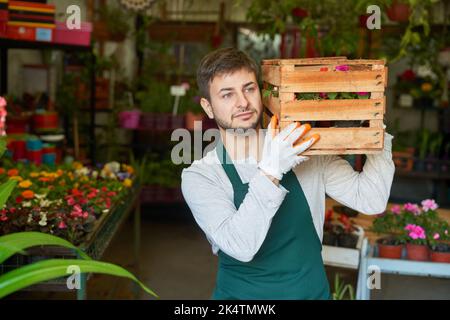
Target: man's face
235,100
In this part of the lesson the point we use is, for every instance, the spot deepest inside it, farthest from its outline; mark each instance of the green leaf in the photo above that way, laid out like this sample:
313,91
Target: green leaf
16,242
2,146
5,191
55,268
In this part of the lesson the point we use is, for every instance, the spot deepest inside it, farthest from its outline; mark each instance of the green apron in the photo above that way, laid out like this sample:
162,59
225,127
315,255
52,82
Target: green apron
289,263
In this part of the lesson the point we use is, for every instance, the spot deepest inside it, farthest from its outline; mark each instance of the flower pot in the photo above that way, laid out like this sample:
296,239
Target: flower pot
347,240
417,252
399,12
387,249
44,122
129,119
190,118
329,239
440,253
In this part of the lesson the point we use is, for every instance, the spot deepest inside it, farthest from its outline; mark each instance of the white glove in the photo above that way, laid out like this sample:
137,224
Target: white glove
280,153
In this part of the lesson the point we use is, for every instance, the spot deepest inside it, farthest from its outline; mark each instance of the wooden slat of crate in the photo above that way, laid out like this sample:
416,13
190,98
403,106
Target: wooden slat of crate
344,140
322,60
311,110
333,81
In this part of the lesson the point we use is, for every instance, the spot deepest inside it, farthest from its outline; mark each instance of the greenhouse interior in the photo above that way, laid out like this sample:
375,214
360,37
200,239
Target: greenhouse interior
224,150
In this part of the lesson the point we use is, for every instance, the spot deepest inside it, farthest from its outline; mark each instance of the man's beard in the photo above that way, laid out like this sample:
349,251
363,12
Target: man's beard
228,125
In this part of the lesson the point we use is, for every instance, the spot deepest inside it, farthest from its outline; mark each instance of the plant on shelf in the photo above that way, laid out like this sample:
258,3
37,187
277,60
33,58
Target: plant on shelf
390,225
114,22
418,226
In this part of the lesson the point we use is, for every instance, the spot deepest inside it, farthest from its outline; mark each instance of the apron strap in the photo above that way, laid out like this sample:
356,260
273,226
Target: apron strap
227,164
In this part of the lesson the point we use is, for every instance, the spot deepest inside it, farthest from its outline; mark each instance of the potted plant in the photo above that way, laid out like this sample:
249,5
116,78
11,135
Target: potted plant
390,246
415,225
398,11
329,235
437,233
347,238
113,23
129,116
155,103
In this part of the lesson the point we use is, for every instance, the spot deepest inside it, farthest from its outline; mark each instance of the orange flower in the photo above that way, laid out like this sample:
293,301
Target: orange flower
28,194
44,179
2,171
13,172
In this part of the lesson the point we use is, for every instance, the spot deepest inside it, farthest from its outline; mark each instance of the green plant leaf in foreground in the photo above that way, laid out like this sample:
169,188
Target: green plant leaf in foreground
55,268
13,243
5,191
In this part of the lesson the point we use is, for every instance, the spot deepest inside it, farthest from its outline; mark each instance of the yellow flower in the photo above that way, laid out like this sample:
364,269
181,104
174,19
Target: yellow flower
127,183
18,178
25,184
77,165
426,87
34,174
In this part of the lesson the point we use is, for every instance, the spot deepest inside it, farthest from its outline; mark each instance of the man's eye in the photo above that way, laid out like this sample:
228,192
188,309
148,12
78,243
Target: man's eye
251,89
227,95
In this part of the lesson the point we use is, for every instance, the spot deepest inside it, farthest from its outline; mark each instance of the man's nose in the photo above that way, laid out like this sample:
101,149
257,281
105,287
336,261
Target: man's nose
243,101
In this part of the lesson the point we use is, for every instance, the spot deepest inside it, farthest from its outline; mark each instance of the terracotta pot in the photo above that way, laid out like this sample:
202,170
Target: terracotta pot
417,252
440,253
440,256
390,251
399,12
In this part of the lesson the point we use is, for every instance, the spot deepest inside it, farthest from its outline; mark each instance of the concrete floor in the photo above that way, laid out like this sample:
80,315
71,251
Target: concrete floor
177,263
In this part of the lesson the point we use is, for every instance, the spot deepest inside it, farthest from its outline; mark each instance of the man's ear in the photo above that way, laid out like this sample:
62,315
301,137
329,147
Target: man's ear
207,107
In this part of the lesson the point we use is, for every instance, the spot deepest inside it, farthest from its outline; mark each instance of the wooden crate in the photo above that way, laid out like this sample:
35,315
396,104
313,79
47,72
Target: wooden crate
286,77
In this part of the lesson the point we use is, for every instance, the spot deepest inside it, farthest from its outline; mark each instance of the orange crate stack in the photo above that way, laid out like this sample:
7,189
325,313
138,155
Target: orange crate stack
285,79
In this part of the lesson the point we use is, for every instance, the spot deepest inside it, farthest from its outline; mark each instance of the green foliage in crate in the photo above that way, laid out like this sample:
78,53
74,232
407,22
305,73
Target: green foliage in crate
37,272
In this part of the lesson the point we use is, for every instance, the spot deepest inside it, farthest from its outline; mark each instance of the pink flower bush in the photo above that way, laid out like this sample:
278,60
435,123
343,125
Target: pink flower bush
342,67
429,204
415,232
412,207
396,209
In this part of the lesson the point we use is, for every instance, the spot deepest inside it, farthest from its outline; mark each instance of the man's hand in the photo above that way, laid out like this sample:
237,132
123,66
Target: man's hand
282,151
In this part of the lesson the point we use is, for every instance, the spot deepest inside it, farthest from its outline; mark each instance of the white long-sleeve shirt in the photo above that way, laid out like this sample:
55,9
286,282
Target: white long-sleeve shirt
240,232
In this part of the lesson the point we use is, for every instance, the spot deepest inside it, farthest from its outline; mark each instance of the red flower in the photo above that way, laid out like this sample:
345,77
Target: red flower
299,12
62,225
329,215
76,192
104,189
111,194
3,218
19,199
408,75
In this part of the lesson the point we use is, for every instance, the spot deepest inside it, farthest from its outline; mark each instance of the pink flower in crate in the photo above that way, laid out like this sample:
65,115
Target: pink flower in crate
429,204
412,207
323,95
396,209
362,93
2,102
342,67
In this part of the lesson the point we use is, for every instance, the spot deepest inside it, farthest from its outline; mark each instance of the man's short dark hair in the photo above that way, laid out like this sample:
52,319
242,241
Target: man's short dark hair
219,62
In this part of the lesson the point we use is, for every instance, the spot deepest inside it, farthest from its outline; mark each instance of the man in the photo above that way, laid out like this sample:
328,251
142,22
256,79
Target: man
259,202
